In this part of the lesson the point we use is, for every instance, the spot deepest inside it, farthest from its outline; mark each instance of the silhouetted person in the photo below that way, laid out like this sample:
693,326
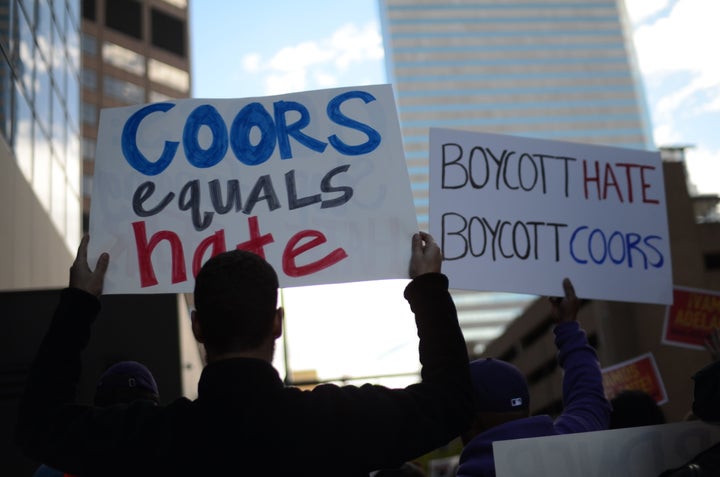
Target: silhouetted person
122,383
634,408
245,421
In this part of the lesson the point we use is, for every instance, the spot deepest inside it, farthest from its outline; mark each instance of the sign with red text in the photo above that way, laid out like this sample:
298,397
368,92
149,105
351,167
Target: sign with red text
315,182
637,374
516,214
693,315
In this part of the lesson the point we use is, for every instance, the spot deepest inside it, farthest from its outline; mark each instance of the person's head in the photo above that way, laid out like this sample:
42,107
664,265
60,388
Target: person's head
236,304
125,382
631,408
500,392
706,393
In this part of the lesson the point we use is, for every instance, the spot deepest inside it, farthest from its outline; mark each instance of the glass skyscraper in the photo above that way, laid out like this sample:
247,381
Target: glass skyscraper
554,69
39,141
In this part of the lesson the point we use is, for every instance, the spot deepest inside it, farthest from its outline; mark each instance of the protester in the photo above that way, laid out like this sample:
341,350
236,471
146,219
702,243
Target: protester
244,421
635,408
122,383
706,407
502,400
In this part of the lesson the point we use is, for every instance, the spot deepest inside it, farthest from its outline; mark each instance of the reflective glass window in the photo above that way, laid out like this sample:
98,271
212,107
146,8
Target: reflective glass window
123,90
89,79
123,58
169,75
24,67
23,135
43,93
88,113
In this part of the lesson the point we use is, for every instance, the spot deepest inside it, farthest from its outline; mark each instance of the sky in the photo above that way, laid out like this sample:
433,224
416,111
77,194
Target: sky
247,49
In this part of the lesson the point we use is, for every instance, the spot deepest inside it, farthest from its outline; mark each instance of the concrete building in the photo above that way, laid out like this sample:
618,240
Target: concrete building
558,70
622,331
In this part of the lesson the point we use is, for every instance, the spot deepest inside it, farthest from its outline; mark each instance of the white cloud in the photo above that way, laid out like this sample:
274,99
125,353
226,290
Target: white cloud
251,63
317,64
703,166
641,10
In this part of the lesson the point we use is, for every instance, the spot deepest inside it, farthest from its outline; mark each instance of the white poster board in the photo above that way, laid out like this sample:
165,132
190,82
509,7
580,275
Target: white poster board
639,451
315,182
516,214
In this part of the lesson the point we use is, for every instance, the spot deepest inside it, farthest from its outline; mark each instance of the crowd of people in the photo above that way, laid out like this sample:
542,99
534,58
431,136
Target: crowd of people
245,421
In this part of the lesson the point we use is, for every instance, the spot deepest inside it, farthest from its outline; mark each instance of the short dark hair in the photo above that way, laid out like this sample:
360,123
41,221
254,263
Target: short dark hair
235,301
635,408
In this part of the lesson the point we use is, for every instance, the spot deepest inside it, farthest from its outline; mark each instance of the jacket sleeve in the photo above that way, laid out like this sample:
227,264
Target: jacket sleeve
584,402
51,427
385,427
54,374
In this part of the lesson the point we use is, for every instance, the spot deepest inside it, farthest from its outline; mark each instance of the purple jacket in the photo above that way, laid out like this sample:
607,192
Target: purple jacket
586,408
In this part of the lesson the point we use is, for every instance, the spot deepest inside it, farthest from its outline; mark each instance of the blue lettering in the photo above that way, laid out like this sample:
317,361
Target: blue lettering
616,234
205,115
601,260
334,113
572,241
661,259
252,115
295,129
128,140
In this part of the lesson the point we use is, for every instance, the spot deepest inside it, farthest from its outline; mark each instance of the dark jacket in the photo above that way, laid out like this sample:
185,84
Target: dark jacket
245,421
585,405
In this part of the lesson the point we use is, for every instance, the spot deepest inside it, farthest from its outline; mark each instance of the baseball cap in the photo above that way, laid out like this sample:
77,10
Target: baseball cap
498,386
125,382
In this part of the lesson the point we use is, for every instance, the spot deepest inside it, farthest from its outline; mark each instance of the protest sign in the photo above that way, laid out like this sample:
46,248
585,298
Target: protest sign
640,451
518,215
638,374
315,182
692,316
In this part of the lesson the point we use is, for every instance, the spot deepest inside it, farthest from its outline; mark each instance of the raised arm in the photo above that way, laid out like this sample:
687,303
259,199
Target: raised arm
585,407
55,372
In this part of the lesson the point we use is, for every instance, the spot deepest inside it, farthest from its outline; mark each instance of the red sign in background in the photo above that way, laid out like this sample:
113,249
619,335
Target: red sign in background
638,374
692,316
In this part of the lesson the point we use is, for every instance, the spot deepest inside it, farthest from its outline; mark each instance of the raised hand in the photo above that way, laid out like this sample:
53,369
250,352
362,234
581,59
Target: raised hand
81,277
426,256
565,309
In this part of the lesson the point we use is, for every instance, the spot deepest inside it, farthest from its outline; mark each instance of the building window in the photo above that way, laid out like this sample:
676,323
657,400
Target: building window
88,148
123,58
88,113
168,32
168,75
712,261
88,9
123,90
88,44
124,16
88,78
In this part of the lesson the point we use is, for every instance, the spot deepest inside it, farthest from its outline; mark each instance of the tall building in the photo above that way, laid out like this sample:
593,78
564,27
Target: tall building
39,142
133,52
555,70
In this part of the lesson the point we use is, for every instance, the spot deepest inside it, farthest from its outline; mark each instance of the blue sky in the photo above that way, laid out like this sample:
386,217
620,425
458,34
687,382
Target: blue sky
245,49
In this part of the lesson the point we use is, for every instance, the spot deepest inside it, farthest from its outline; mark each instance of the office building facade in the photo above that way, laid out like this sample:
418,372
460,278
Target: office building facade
39,142
561,70
133,52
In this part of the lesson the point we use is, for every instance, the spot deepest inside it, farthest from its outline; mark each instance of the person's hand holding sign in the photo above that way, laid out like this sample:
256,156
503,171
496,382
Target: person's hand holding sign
426,256
81,277
565,309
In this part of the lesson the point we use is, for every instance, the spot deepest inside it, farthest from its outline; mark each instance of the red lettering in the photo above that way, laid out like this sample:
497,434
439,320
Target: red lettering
145,249
595,179
646,186
611,181
628,174
256,243
318,238
217,241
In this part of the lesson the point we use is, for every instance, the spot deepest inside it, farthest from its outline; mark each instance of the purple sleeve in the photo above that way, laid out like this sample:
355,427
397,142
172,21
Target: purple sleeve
584,402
